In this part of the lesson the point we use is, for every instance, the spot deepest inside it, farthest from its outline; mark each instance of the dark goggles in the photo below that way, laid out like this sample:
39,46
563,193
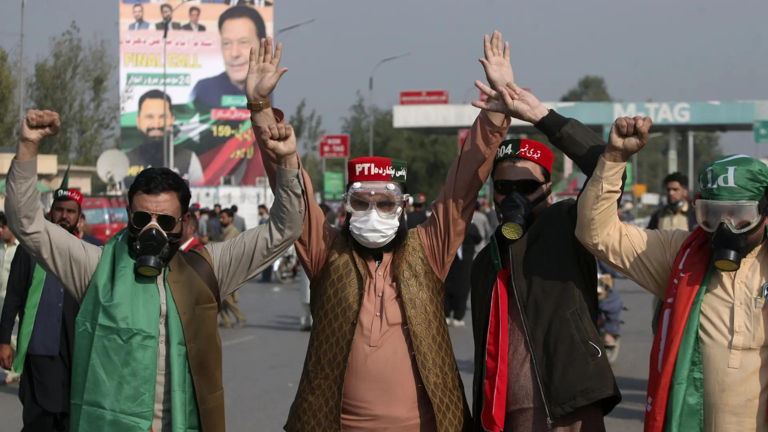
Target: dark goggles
141,219
525,187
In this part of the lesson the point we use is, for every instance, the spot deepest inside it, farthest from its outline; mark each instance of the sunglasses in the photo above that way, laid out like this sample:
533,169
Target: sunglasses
141,219
525,187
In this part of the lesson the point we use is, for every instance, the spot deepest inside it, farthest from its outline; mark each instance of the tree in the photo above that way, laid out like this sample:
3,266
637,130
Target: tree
429,156
590,88
308,130
73,80
9,109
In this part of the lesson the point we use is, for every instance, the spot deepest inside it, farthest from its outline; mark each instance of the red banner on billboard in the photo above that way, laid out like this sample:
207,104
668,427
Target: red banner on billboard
334,146
425,97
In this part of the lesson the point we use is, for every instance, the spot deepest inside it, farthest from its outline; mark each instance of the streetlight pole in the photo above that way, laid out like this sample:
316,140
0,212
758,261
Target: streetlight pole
21,65
293,26
370,98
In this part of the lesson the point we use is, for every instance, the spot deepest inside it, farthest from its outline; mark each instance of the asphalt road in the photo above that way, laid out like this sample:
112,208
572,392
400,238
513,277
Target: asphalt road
263,361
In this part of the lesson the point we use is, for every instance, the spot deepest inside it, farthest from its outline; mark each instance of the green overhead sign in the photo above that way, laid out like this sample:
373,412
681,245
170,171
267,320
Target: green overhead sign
761,132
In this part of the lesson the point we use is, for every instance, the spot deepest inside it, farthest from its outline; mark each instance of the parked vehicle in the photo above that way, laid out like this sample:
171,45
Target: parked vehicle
105,215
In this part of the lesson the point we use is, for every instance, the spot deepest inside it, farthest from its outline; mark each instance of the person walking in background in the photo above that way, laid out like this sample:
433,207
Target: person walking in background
266,275
228,232
480,220
228,229
263,214
419,214
458,281
202,223
8,250
238,220
678,213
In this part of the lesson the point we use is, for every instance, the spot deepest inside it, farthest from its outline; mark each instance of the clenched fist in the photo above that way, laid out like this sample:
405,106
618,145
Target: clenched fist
38,125
628,136
6,356
280,140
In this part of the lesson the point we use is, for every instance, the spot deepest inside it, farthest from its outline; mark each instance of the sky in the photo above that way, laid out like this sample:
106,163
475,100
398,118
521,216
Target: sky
672,50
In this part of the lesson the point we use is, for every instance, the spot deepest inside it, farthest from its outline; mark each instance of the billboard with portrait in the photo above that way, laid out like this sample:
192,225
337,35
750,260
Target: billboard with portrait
182,70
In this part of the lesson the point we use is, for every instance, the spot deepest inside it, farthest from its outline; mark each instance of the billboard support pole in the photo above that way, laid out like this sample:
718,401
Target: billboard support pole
167,155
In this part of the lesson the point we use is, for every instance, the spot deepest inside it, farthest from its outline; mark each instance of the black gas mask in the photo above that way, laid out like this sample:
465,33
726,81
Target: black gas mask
154,249
515,212
729,248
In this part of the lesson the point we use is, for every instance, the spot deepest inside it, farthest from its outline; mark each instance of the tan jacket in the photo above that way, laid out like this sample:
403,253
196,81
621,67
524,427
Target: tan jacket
73,261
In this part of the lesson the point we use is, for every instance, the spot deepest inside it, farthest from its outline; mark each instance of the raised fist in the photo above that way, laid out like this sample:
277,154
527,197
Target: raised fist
280,140
38,125
628,136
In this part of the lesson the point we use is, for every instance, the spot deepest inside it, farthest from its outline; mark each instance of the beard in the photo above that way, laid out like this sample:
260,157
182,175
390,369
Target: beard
64,223
402,234
151,139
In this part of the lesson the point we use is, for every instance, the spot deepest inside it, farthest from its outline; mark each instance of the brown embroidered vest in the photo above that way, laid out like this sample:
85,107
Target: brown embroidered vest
335,300
195,291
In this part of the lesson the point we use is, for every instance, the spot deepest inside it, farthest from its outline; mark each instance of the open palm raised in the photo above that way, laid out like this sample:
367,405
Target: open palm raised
263,71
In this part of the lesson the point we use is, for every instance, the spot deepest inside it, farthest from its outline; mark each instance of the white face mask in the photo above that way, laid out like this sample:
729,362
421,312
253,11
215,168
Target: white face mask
372,230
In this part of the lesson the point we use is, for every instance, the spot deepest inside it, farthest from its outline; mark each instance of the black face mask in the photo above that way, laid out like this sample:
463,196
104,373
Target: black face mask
516,214
729,248
154,249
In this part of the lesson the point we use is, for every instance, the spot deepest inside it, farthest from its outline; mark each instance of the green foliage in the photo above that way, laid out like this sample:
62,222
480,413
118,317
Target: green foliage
73,80
590,88
9,109
308,130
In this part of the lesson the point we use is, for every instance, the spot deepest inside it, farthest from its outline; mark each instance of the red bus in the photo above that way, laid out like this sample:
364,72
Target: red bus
105,215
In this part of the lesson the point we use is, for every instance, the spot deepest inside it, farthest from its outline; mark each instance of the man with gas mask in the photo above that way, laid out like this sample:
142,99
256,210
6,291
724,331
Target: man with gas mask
379,355
539,362
46,336
709,354
147,350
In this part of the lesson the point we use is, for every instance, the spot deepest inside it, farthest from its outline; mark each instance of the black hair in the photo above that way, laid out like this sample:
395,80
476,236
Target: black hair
477,205
154,181
194,8
234,208
165,5
193,220
677,177
245,12
139,5
418,206
324,207
516,161
156,94
262,206
216,205
3,219
228,212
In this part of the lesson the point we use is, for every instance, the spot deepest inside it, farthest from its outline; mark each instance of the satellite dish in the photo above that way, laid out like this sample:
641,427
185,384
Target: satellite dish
112,166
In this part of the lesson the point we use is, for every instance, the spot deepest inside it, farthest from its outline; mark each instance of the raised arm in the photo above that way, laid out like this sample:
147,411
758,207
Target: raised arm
645,256
70,259
264,72
445,229
242,258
